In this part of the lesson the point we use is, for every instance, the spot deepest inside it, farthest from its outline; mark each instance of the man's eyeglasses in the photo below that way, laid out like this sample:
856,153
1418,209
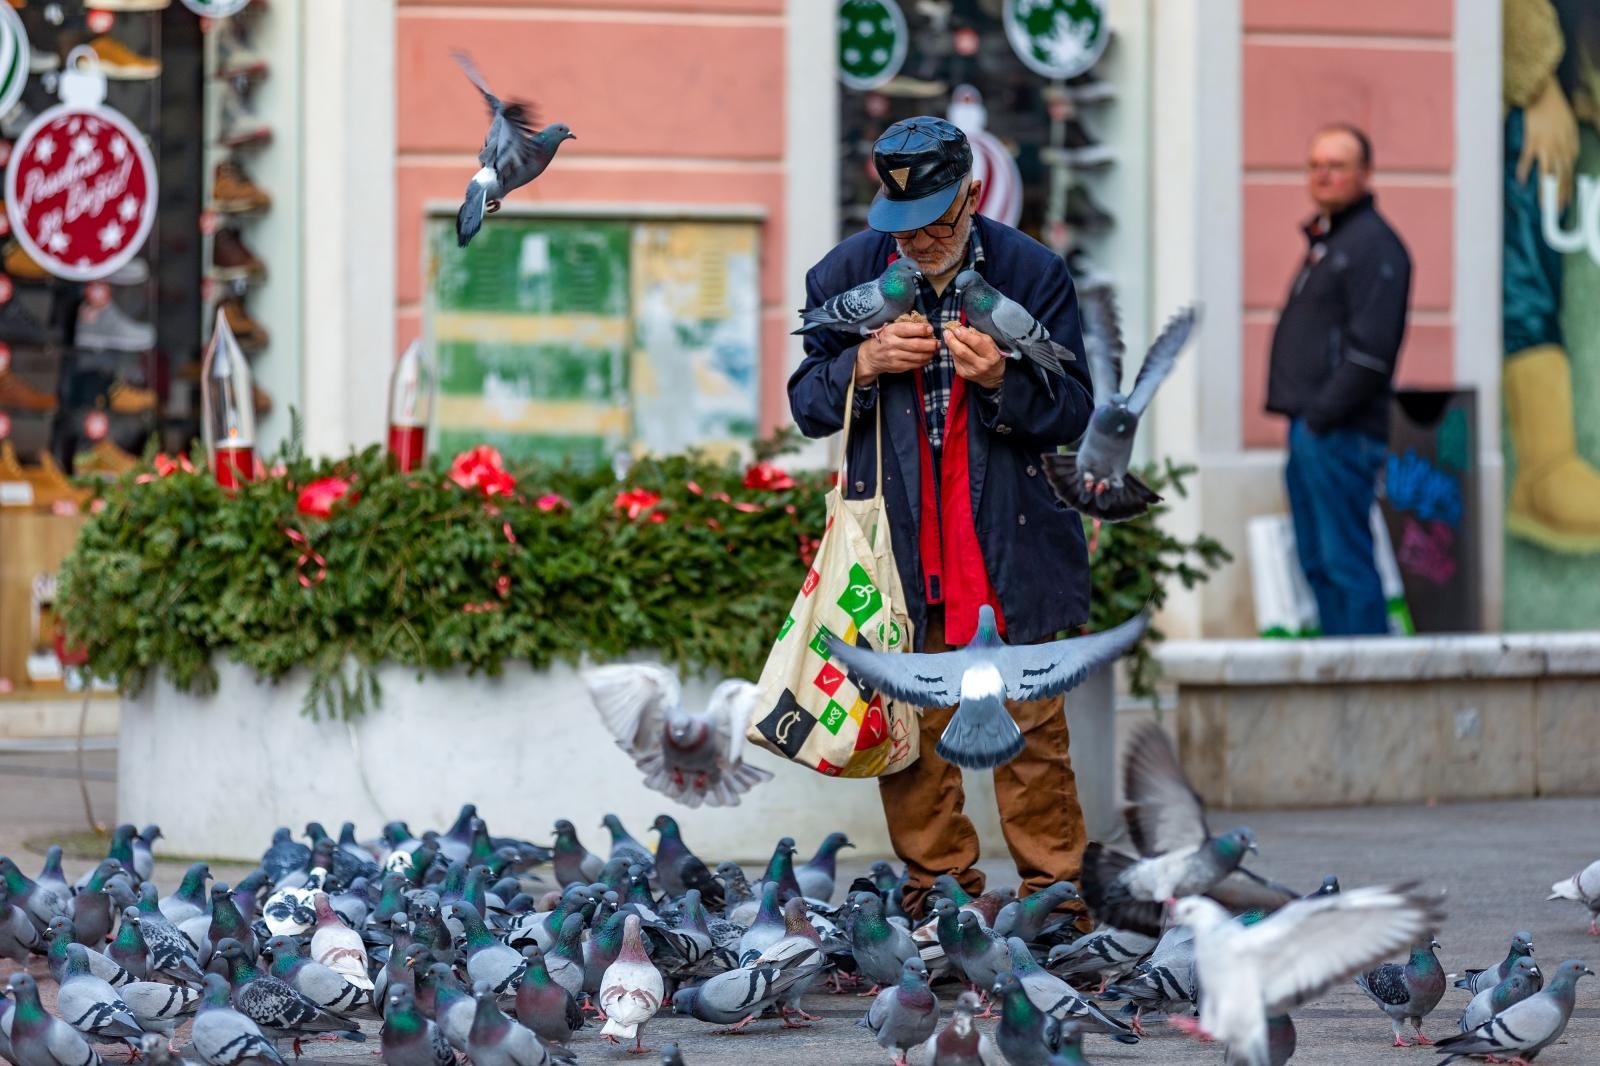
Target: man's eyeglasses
939,231
1330,168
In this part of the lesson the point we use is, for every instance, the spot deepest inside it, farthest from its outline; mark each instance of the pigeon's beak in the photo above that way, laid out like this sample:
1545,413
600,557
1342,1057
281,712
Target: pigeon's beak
570,136
1588,971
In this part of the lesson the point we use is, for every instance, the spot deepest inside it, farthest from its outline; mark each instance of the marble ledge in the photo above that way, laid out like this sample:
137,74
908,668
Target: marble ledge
1360,660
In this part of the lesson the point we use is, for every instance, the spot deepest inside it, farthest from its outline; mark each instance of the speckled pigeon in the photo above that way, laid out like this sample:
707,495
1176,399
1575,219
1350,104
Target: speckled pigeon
224,1037
981,677
275,1005
512,154
1249,973
37,1039
1476,981
1523,981
1108,952
904,1015
736,997
1584,887
171,954
867,307
1409,992
1009,324
1094,479
691,757
1179,854
1523,1029
1060,1000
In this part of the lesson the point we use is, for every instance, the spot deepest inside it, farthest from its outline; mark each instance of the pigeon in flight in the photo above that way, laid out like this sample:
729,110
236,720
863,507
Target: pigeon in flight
1179,855
869,306
1253,972
981,677
1007,323
693,758
513,154
1095,478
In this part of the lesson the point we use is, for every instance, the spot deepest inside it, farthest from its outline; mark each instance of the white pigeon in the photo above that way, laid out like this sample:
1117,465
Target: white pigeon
337,946
630,989
688,757
1254,972
1584,887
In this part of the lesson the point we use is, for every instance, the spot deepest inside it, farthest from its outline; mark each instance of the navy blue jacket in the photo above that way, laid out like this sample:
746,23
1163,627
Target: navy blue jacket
1032,543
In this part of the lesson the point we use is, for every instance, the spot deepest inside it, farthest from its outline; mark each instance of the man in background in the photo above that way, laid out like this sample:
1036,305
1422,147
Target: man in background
1332,372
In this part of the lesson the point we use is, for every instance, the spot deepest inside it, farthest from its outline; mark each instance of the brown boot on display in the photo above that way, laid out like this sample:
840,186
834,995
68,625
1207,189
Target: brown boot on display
106,458
126,399
250,335
233,193
231,260
18,395
121,63
21,266
1555,497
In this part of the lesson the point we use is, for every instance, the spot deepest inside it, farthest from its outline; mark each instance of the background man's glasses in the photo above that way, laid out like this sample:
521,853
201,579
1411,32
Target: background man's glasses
939,231
1331,168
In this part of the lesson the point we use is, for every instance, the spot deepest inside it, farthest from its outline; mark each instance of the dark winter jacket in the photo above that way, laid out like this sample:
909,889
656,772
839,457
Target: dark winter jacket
1334,350
1032,544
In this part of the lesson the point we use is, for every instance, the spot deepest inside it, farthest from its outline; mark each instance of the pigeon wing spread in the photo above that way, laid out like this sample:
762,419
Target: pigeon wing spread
1159,360
920,678
1102,340
1034,671
633,700
1164,812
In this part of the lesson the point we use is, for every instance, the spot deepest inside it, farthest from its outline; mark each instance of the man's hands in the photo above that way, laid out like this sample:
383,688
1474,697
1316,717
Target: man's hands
1550,139
976,357
902,346
897,347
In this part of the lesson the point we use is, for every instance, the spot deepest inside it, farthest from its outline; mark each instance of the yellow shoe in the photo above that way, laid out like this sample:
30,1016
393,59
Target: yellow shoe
105,458
131,399
121,63
20,265
10,466
1555,498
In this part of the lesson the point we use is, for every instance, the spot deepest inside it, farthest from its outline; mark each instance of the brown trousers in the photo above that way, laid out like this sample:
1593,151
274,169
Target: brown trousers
1037,794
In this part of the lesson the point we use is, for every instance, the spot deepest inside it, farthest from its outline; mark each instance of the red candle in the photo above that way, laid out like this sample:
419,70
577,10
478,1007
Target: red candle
411,391
227,409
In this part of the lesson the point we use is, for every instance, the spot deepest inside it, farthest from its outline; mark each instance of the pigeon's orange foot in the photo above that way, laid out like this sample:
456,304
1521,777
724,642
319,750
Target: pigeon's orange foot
493,206
1399,1043
1423,1041
1190,1026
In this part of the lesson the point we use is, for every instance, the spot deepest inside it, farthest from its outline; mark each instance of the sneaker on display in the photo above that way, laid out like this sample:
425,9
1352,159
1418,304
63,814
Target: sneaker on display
134,272
1084,213
231,260
1083,149
232,191
235,59
111,329
1089,88
19,327
240,126
120,63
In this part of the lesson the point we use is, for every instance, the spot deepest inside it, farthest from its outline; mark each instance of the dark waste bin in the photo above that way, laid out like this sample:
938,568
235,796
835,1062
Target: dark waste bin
1430,505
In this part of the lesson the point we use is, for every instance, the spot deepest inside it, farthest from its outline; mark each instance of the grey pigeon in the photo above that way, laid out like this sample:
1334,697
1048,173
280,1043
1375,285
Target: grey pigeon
1583,887
156,1052
37,1039
880,947
983,956
157,1006
62,941
544,1006
275,1005
91,908
143,848
1058,999
1008,324
981,677
19,936
1027,917
327,988
1164,983
1250,973
453,1009
512,154
767,929
189,901
1108,953
869,306
1179,854
90,1005
487,958
1523,1029
625,847
817,876
736,997
39,902
574,863
1476,981
224,1037
678,869
1027,1035
496,1040
171,954
1094,479
284,855
410,1039
1409,992
50,876
800,938
960,1042
904,1015
691,757
564,960
670,1055
1523,981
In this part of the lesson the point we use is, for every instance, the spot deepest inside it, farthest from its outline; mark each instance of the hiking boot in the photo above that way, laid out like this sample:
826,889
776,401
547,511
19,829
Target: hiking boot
105,458
111,329
232,191
126,399
19,327
120,63
250,335
1084,214
235,59
18,395
240,126
231,260
22,266
1079,149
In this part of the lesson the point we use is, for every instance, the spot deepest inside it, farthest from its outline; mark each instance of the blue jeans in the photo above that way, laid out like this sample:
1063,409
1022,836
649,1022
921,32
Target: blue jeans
1333,480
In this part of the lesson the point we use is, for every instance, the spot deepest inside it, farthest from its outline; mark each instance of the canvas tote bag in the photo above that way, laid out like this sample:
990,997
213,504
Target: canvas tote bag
810,710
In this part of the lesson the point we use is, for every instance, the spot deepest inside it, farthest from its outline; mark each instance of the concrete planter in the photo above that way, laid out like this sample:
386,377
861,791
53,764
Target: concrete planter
220,772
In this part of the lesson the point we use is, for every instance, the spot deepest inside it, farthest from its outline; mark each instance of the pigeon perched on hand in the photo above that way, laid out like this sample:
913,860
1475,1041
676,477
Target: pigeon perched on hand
1584,887
692,758
1179,854
1095,479
1523,981
1476,981
981,677
1409,992
512,154
1252,972
1007,323
1523,1029
869,306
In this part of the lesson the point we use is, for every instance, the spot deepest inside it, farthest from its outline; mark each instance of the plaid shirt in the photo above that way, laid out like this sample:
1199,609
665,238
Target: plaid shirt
940,310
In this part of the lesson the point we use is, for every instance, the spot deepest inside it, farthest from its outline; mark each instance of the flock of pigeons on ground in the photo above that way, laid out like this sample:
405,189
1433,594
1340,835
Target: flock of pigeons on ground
512,953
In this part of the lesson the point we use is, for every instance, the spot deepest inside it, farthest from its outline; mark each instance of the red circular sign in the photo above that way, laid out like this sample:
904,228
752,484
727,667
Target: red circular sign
100,21
5,357
97,294
6,289
5,425
96,425
81,191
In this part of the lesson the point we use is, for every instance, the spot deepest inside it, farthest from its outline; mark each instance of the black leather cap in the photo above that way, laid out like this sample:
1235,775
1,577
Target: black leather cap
921,162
